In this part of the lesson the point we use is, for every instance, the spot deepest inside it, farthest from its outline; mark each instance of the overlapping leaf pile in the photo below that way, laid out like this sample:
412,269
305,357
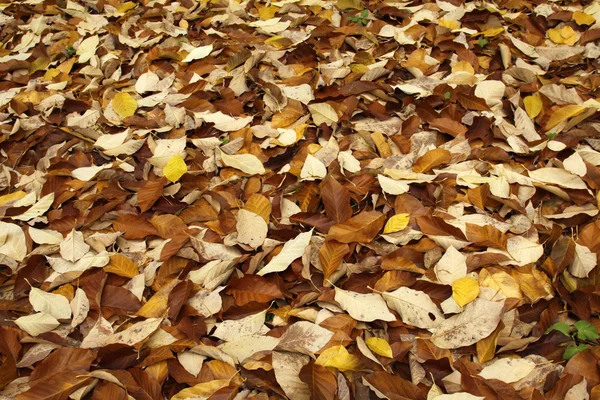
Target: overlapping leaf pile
299,198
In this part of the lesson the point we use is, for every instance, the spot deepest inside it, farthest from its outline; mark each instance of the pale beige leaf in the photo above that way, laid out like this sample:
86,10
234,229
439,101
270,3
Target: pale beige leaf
45,236
54,304
38,323
312,169
287,368
252,228
584,262
477,321
452,266
363,307
73,248
246,163
232,329
37,209
508,370
415,307
304,337
292,250
323,113
12,241
80,306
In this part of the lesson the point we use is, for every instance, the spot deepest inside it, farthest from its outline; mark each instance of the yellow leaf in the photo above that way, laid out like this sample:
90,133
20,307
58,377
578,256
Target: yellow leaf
339,358
486,348
379,346
349,4
449,24
463,66
533,105
122,266
259,205
555,36
175,168
7,198
563,114
465,290
582,18
124,105
382,145
492,32
267,12
279,42
396,223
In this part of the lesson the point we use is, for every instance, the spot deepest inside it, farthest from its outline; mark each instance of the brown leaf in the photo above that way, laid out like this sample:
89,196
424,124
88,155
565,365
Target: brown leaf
168,225
134,227
60,386
253,288
394,387
331,255
431,159
361,228
149,193
321,382
486,235
336,199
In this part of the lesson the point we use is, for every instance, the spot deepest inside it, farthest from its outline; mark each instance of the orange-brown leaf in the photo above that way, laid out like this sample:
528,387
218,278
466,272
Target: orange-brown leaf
122,266
336,199
168,225
361,228
331,255
321,382
150,193
431,159
134,227
253,288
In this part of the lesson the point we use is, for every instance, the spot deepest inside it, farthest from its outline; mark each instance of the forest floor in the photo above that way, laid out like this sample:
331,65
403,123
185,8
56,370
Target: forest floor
303,199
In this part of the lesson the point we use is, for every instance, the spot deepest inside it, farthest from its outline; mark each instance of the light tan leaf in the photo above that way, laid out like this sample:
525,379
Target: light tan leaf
452,266
232,329
38,323
12,241
304,337
584,262
287,368
246,163
323,113
508,370
477,321
252,229
292,250
415,307
54,304
37,209
363,307
72,248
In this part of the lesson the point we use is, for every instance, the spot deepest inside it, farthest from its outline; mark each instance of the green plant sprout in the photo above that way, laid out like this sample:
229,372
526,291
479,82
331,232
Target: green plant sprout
583,332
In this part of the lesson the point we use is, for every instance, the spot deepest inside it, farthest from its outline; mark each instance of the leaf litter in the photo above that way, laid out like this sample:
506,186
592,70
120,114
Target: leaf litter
304,199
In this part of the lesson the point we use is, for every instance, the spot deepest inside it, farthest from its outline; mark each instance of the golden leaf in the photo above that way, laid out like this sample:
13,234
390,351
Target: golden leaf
563,114
465,290
175,168
122,266
396,223
533,105
260,205
124,105
339,358
380,346
582,18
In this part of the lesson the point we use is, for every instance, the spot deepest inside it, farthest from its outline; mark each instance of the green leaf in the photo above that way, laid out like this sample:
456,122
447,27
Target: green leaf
570,352
586,331
447,95
482,42
551,135
364,13
561,327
